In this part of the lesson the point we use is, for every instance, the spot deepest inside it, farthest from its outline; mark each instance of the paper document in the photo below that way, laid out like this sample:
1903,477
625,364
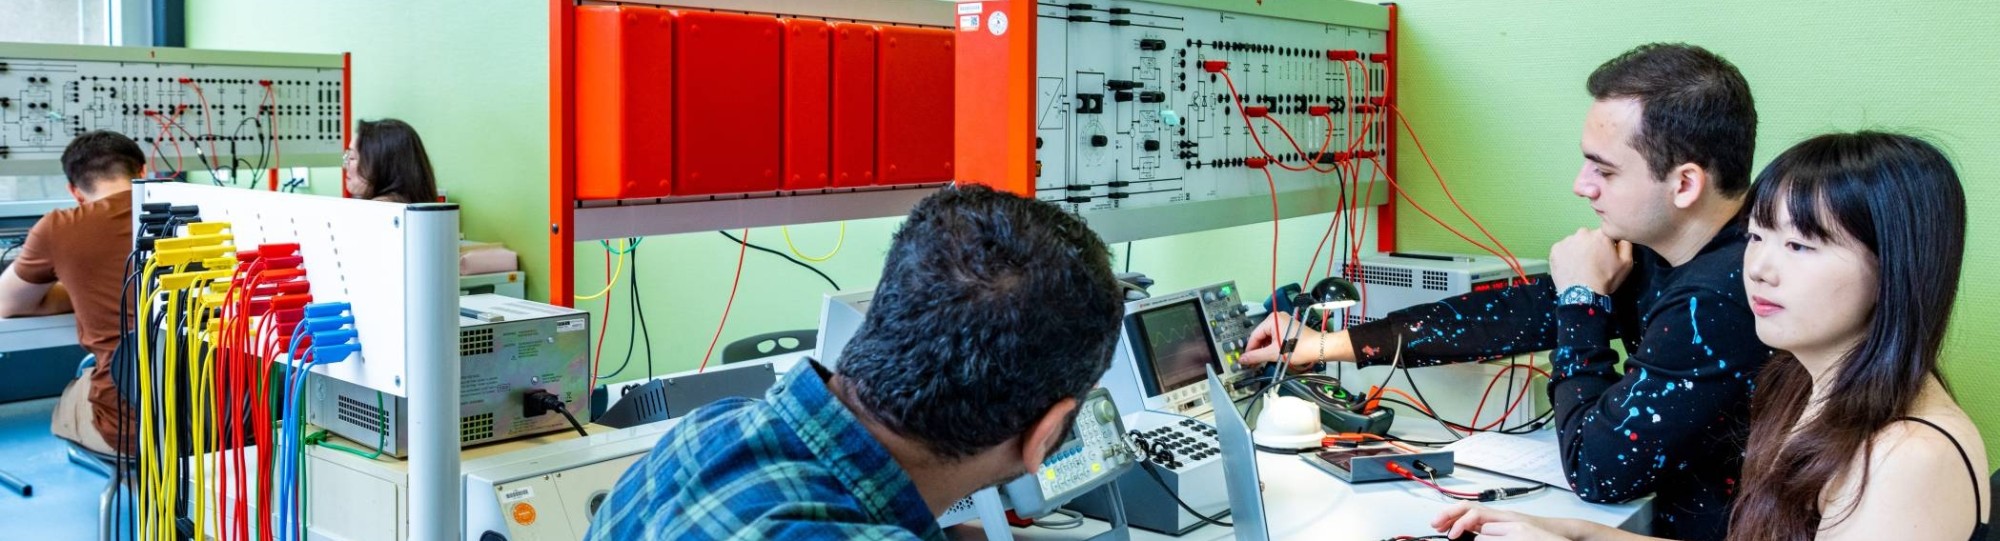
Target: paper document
1533,456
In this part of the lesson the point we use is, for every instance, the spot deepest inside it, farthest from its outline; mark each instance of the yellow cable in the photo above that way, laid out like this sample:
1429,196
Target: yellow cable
821,259
615,273
145,515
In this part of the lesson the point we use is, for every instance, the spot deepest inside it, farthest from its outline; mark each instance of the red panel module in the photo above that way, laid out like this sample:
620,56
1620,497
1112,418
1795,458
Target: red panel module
853,133
914,105
726,98
808,65
622,81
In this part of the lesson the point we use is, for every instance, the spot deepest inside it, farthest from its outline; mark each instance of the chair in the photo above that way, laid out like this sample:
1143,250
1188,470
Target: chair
102,464
769,344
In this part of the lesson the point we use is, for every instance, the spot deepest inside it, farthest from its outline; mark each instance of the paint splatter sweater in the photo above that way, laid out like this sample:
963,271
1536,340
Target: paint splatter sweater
1672,422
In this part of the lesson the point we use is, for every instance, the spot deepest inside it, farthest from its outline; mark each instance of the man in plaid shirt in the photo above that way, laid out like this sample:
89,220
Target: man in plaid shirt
995,314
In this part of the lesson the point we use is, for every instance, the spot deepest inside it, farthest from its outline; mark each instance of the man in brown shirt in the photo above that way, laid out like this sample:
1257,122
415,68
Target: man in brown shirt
74,259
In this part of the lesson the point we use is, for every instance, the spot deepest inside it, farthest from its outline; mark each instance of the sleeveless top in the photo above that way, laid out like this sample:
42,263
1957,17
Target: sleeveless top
1978,528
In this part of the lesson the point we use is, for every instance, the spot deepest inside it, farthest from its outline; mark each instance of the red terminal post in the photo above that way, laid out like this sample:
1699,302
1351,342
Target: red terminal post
1343,55
1342,156
264,82
1378,101
1319,110
1255,163
1378,58
1364,109
278,249
279,275
1256,111
1214,66
186,80
291,302
1365,154
293,287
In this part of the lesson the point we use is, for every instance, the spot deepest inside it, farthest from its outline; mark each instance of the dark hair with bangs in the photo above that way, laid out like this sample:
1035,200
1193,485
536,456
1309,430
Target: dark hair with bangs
1899,197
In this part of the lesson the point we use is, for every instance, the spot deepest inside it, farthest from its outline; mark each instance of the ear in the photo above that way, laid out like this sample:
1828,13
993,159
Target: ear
1046,433
77,194
1688,182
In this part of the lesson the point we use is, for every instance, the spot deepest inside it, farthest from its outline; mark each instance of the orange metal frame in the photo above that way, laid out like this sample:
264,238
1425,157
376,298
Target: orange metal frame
1385,218
562,152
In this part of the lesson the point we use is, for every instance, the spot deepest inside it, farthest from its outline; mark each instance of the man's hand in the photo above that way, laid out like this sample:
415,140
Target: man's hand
1590,259
1312,347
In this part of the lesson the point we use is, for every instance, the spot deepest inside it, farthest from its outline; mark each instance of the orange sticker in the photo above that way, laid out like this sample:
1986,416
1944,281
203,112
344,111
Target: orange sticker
524,514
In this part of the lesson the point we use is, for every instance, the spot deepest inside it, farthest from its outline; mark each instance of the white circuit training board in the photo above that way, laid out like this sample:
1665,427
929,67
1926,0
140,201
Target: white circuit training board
353,252
52,93
1274,61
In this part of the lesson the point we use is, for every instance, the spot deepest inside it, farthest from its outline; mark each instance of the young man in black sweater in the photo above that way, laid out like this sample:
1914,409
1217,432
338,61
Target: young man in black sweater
1667,147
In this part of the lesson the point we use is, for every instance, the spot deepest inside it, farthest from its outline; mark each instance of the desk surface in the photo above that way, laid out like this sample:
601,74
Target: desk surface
1305,503
30,333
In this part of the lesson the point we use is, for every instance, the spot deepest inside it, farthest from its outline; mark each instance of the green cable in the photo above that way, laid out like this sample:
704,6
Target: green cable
631,246
381,438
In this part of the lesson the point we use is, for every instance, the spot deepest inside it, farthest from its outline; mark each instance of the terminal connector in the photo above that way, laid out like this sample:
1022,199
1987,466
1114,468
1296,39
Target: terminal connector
1214,66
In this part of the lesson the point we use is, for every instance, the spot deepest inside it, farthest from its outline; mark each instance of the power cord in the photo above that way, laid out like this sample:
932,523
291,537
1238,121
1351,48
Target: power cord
538,402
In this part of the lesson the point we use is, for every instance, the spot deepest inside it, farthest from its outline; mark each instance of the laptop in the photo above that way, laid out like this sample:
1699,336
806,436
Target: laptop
1239,465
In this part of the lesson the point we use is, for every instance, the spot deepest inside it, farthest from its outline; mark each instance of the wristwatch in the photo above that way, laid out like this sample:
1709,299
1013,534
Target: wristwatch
1582,295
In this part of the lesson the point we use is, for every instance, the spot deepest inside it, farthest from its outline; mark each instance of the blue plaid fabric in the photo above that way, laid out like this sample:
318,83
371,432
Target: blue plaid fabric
797,465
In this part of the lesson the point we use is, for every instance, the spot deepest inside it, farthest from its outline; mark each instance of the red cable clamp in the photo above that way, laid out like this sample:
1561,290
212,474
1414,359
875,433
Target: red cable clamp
1343,55
1319,110
1378,101
1256,111
1255,163
1214,66
1378,58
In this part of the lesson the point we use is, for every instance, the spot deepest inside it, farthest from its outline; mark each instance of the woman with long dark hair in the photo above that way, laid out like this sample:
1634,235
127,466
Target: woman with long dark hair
386,162
1852,268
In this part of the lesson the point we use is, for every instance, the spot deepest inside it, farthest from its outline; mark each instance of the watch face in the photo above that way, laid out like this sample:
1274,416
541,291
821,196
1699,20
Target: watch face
1578,295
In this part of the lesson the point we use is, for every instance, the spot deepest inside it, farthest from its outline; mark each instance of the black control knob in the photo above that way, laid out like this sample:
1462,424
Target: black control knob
1099,141
1151,145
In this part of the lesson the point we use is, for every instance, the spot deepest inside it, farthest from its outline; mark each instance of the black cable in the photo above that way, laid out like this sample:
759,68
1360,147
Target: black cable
639,310
631,340
572,421
1128,256
1148,466
1530,426
808,266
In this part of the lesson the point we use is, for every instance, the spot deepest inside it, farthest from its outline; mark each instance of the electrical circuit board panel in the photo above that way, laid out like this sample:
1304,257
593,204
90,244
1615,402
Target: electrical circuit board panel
188,109
1132,110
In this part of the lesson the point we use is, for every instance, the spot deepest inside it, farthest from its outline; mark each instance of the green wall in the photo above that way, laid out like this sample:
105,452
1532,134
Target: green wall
1494,88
